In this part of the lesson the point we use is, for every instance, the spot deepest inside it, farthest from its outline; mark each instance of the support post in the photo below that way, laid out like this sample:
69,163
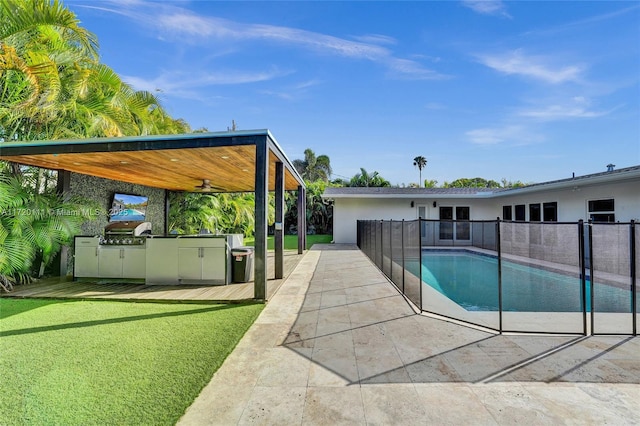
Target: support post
301,220
304,218
278,236
166,212
63,187
261,211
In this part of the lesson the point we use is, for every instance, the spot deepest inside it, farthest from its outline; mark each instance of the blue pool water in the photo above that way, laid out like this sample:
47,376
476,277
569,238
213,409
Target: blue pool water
127,215
471,280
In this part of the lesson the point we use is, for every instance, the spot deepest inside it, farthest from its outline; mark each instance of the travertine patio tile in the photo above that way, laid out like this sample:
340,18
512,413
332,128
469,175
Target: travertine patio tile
218,404
435,369
513,404
264,335
330,370
452,404
334,406
285,367
578,407
274,406
393,404
350,350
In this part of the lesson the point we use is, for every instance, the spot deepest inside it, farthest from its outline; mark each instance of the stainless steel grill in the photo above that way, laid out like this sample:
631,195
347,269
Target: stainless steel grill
126,233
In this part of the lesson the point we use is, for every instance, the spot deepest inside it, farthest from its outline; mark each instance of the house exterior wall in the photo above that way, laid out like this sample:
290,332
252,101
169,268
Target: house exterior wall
572,205
347,211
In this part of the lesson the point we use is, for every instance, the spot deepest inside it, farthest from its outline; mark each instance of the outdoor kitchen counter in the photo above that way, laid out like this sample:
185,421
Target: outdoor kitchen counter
169,260
190,259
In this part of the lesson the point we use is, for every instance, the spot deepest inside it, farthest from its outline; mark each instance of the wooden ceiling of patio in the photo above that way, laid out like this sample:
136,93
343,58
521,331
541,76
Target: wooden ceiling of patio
228,168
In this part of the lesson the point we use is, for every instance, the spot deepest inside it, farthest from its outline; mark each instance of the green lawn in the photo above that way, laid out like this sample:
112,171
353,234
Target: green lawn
291,241
109,363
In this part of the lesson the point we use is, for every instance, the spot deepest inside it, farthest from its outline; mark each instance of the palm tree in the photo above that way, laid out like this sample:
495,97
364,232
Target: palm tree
313,168
420,162
53,85
364,179
34,226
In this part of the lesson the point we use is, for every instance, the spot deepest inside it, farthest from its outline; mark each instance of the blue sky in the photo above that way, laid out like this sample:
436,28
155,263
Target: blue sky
529,91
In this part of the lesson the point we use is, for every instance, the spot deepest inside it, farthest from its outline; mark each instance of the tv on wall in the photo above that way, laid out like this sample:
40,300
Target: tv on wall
128,208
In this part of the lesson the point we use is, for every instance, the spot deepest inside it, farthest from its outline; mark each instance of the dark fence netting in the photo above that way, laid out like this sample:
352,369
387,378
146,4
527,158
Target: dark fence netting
483,235
513,276
611,279
385,231
412,283
541,273
397,258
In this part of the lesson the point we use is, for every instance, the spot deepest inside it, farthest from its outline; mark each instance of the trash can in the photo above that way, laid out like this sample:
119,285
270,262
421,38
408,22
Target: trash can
242,264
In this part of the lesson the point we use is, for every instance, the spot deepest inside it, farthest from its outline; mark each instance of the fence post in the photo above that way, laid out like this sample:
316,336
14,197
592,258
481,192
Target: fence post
591,280
499,247
634,293
420,257
402,246
583,278
391,251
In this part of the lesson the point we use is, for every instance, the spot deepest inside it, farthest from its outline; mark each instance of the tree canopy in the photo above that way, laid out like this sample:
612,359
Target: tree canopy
313,168
472,183
53,85
366,179
420,162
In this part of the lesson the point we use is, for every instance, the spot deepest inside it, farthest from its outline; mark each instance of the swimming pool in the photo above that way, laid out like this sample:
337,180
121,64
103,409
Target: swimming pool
471,280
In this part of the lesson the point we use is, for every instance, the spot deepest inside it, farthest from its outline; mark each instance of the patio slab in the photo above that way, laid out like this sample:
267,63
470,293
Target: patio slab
338,344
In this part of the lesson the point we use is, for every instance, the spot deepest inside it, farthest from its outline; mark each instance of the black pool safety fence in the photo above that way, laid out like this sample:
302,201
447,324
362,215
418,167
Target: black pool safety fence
516,277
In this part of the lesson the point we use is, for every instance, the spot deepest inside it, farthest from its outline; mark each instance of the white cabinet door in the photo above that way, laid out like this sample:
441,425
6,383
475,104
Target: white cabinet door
133,263
189,263
85,262
214,264
110,262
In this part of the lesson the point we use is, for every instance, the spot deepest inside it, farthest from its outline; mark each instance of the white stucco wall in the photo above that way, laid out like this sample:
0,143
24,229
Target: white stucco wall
572,206
346,212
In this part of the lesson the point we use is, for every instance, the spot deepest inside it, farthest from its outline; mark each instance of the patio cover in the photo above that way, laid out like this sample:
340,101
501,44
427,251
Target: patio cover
235,161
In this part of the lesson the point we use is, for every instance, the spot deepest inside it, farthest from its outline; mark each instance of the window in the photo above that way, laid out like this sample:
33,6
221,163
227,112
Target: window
602,210
550,212
506,213
446,228
534,212
520,212
463,230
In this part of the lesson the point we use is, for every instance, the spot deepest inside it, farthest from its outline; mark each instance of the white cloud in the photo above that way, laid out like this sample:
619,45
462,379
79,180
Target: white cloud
174,83
171,21
512,134
293,92
376,38
487,7
558,112
576,107
537,67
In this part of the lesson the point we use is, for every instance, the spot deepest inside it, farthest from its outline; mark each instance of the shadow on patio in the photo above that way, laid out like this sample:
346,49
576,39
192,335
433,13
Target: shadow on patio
358,327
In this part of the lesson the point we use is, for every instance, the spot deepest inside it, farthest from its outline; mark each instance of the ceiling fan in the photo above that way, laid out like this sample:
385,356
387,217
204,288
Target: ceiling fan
206,186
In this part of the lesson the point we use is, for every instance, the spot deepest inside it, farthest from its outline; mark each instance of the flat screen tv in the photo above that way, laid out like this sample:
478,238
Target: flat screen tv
128,208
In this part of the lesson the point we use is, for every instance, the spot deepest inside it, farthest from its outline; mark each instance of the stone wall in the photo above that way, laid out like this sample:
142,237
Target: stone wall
101,191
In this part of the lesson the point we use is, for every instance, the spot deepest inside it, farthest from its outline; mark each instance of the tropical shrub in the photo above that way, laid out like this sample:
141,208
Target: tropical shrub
34,226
